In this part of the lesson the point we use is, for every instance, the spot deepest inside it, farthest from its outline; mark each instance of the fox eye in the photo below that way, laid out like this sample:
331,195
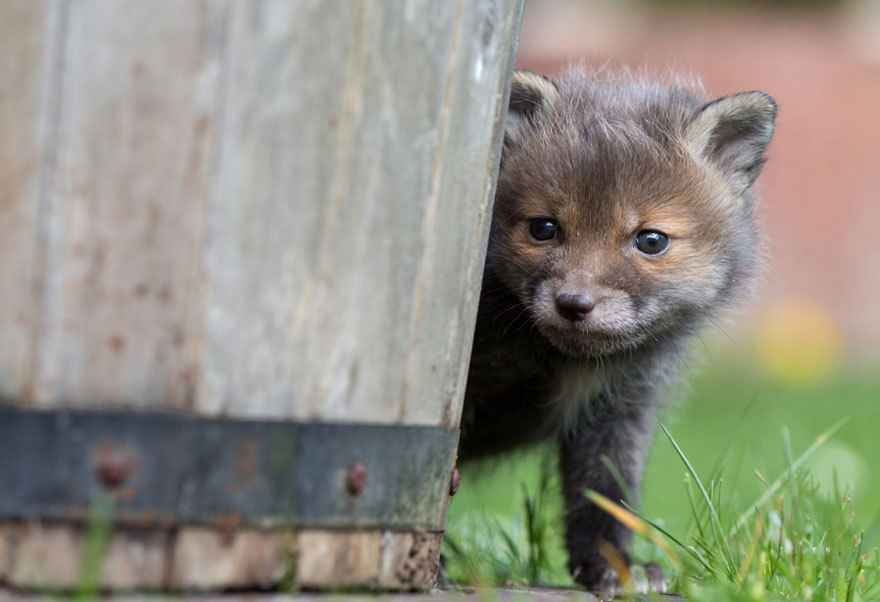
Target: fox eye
651,242
543,229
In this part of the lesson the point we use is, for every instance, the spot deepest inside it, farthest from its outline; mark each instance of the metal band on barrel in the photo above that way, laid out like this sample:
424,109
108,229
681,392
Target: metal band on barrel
163,468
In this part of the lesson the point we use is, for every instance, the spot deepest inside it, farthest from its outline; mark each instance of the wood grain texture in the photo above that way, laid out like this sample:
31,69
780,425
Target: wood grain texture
209,207
37,555
205,558
29,32
50,555
126,199
345,236
135,560
42,555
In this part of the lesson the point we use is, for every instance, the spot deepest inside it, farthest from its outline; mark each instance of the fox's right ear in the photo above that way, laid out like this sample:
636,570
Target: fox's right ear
530,96
733,132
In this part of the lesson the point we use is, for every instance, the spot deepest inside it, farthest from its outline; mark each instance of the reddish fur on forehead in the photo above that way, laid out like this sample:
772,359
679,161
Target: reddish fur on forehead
536,206
676,221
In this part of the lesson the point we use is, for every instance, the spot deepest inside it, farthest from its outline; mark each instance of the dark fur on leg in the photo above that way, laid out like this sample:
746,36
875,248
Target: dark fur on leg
624,441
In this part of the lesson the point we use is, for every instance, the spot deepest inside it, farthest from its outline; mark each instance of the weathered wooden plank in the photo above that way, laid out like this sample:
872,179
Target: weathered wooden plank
448,280
409,560
135,128
134,560
339,258
329,189
210,558
260,226
48,555
344,559
28,66
44,555
389,559
53,555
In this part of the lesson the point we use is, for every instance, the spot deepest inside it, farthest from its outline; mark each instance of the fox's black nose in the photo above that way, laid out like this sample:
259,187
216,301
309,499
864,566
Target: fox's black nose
574,307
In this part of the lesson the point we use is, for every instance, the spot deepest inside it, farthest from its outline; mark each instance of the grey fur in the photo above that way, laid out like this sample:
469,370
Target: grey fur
600,155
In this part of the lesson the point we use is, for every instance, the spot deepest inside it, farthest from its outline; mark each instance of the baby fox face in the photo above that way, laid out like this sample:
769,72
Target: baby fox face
623,212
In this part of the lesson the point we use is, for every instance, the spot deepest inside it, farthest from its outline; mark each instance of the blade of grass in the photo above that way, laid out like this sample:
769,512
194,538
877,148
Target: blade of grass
718,531
513,552
471,561
778,565
719,461
716,469
771,490
789,459
94,547
534,531
750,554
687,549
634,523
698,521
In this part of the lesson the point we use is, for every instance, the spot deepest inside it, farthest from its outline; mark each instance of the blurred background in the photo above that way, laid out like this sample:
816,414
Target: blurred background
806,351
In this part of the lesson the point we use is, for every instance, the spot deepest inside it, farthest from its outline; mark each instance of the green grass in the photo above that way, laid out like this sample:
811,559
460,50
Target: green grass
813,536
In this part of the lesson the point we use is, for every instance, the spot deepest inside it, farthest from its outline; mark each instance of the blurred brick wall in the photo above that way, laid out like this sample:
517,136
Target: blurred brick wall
820,192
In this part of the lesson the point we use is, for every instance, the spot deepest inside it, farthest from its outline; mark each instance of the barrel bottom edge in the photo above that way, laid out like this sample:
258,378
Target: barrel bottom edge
41,556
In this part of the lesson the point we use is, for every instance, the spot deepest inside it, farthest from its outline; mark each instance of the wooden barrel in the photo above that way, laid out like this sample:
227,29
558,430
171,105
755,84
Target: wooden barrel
240,252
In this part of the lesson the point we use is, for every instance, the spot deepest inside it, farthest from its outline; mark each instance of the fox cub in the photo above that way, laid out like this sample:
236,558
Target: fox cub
624,220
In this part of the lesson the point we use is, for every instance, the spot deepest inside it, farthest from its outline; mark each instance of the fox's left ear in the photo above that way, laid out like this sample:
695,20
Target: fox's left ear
531,95
733,132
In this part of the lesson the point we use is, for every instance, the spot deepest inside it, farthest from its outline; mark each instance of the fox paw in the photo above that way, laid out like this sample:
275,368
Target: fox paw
643,579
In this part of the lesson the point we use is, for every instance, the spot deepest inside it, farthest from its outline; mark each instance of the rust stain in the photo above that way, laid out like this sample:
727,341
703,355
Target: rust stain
116,342
125,494
187,375
168,521
100,258
177,335
164,295
16,180
247,464
137,519
228,524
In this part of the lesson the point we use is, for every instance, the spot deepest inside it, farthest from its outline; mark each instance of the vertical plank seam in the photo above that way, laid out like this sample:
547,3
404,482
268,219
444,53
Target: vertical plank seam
168,544
428,230
197,320
57,42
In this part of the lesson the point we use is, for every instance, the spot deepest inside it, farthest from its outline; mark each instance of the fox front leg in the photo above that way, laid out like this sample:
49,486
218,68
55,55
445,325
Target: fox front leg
624,440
